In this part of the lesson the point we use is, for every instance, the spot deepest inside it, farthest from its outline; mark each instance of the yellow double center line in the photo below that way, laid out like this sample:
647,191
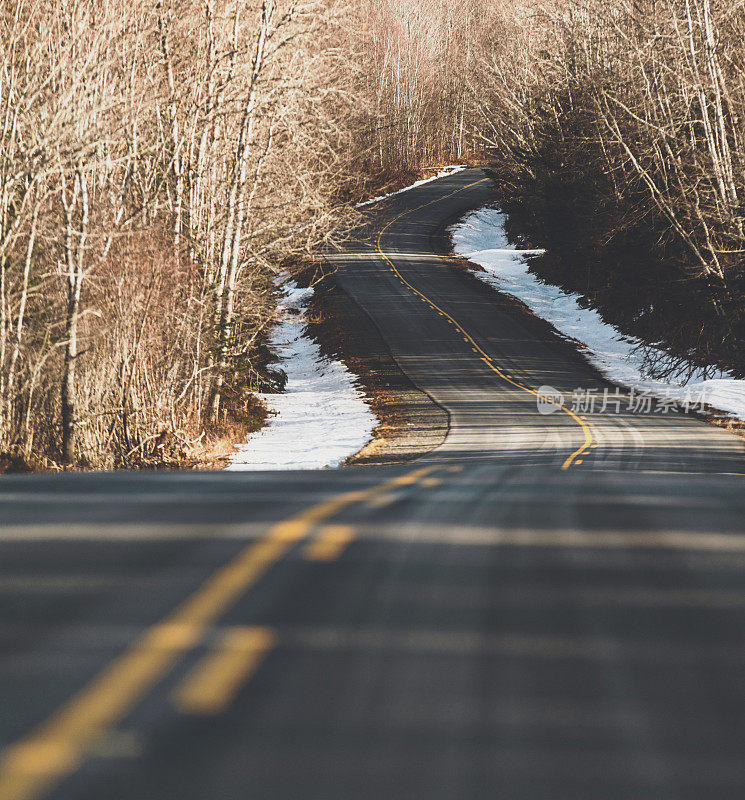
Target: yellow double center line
34,765
485,357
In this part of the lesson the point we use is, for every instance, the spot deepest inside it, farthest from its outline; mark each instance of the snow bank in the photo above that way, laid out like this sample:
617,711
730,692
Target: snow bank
480,237
444,172
321,419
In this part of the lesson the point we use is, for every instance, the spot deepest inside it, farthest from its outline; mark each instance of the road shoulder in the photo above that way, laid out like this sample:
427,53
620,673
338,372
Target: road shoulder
412,424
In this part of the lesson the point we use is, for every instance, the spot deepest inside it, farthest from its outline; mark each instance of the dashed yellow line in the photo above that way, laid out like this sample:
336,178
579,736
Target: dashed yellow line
35,764
330,542
210,687
467,336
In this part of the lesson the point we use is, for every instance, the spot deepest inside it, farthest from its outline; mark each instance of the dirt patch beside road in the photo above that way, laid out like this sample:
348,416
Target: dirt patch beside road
411,423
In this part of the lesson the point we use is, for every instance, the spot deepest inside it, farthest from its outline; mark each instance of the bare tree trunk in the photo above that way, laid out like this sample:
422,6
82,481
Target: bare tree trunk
75,242
236,204
176,141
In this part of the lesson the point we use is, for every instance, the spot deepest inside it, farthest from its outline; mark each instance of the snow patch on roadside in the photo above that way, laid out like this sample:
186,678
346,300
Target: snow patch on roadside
321,418
481,238
444,172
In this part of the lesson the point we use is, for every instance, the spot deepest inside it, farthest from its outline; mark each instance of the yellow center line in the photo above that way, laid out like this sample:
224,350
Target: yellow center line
34,765
213,683
468,338
382,501
329,543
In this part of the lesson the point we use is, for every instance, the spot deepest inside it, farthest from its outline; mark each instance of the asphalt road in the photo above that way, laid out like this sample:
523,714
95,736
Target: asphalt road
546,606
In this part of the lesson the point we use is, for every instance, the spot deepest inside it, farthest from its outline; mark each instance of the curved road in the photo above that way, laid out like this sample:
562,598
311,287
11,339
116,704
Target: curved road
546,606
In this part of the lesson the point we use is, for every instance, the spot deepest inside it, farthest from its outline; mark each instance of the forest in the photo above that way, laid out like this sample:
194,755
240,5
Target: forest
164,164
